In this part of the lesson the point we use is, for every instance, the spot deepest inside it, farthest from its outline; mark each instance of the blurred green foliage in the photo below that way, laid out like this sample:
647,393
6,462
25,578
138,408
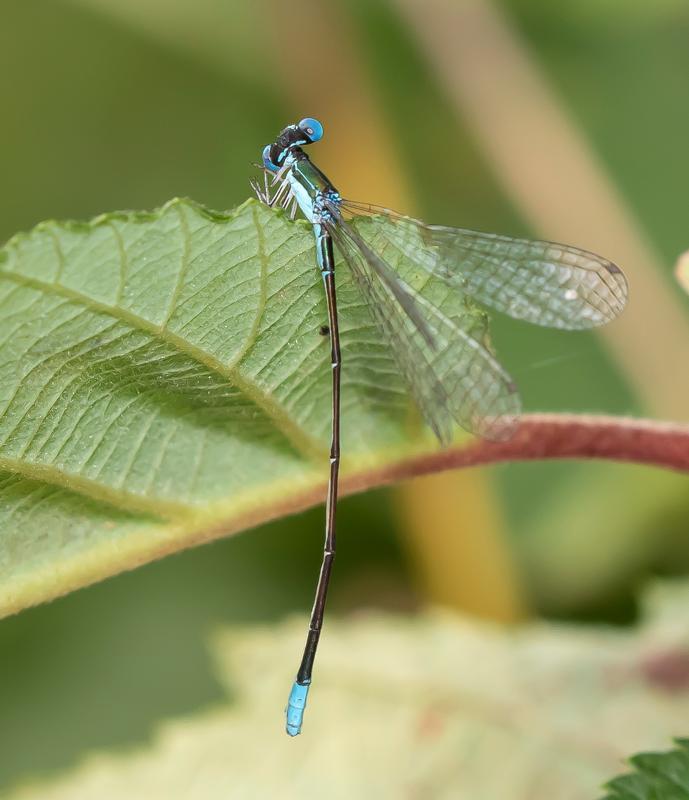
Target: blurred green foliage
99,114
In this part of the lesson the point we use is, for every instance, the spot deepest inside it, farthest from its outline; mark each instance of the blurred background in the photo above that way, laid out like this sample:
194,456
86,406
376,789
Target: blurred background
567,121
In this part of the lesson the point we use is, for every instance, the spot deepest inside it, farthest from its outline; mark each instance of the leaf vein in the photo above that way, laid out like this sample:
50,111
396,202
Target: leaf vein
305,444
125,501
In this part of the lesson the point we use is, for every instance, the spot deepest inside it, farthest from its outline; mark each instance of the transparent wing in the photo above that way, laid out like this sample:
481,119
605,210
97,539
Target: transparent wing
548,284
441,354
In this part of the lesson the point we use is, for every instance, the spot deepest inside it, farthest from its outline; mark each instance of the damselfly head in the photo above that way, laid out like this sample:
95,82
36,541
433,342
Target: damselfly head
289,140
312,129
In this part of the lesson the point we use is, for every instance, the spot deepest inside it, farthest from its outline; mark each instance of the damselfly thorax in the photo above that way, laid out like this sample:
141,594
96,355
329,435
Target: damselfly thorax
299,184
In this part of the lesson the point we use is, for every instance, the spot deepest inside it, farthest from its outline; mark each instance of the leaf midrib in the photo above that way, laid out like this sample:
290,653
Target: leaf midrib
305,444
164,510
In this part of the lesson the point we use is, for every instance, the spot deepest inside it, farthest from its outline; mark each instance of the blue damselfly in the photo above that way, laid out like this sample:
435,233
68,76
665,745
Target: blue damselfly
452,374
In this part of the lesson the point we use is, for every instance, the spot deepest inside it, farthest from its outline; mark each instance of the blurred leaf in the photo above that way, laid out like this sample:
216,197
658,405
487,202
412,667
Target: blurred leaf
227,37
658,776
609,521
438,706
623,14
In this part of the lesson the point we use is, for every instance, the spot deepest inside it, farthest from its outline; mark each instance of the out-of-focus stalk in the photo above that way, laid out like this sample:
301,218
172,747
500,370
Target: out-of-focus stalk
682,272
456,536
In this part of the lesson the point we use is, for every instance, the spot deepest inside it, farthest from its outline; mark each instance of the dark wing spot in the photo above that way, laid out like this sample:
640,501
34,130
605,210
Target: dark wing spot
613,268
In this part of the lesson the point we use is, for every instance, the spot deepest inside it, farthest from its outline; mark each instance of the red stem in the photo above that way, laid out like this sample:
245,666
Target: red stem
539,436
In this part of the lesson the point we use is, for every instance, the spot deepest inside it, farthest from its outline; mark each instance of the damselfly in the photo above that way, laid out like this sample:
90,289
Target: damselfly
442,354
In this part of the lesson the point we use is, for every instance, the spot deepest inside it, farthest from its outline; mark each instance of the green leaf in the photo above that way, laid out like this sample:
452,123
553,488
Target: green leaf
657,776
163,382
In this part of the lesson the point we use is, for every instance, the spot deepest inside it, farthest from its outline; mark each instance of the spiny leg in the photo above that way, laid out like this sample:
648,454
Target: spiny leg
281,196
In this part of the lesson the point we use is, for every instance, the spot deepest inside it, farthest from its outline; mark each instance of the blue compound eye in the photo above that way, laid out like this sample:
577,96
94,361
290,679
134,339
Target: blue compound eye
311,128
267,163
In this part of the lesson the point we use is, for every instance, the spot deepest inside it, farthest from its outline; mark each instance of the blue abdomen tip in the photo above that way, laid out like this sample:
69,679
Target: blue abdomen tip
295,708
